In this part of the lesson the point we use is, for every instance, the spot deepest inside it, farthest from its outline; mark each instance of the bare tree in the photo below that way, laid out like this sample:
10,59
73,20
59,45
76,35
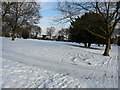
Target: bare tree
17,14
64,32
35,31
50,31
108,10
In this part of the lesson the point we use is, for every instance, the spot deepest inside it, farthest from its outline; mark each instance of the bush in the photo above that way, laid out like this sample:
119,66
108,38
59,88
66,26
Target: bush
25,34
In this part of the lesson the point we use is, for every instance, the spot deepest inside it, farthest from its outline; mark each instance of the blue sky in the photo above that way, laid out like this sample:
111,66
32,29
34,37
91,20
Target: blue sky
48,14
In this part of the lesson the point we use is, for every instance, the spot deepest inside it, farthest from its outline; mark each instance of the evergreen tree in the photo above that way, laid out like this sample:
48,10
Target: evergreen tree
78,32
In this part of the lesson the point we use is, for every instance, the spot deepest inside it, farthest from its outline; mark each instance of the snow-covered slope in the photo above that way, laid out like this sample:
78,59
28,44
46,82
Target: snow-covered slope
57,64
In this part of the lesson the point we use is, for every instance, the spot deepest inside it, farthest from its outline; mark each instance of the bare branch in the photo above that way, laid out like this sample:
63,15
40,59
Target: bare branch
94,33
101,29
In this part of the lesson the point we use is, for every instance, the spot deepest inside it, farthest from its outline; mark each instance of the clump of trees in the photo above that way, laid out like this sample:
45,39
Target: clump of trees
63,34
35,31
109,11
16,15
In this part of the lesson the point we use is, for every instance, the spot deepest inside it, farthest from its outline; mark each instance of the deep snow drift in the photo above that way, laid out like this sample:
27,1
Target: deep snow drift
51,64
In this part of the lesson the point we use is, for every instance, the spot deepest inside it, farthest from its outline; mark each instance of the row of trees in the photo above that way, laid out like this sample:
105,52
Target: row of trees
29,31
108,17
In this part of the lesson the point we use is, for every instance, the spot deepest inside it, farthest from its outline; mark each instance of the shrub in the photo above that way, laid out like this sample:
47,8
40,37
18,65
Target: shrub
25,34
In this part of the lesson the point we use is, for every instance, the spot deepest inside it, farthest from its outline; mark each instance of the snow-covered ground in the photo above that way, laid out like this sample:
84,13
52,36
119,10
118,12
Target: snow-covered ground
50,64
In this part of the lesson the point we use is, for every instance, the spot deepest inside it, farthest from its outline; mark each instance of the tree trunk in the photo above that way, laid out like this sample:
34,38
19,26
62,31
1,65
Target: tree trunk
50,36
98,44
103,45
110,46
85,44
89,44
13,36
107,48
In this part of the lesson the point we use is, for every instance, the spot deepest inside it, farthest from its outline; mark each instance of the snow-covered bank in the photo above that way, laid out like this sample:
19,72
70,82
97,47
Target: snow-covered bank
85,68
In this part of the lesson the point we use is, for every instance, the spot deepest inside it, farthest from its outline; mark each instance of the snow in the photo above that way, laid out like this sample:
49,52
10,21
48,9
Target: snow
21,76
0,61
51,64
